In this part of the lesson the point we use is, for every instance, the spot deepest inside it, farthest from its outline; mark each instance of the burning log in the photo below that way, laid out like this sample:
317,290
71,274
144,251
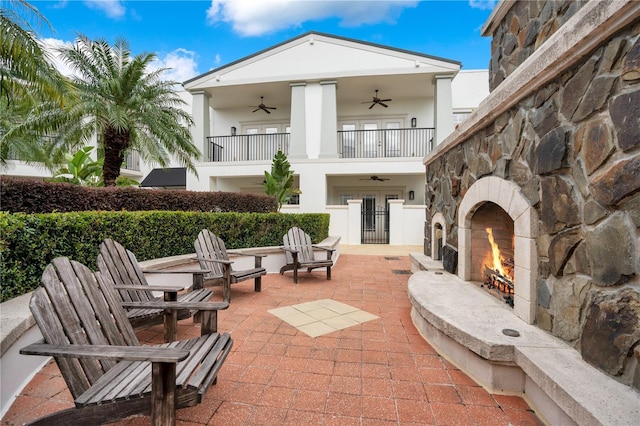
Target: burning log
495,280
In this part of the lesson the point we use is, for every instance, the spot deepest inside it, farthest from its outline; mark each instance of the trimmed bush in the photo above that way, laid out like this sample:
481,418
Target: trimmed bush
30,241
33,196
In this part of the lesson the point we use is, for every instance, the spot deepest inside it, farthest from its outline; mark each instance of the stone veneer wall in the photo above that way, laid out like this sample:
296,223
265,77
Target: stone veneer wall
573,147
525,27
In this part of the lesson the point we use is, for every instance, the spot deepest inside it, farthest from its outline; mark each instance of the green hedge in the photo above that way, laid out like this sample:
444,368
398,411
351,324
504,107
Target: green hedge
30,241
33,196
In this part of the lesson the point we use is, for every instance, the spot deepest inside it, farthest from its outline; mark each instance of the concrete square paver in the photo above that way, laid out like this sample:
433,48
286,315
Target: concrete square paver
323,316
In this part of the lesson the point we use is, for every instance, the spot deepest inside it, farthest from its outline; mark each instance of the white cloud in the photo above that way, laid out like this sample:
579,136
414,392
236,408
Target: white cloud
181,64
112,8
483,4
253,18
51,46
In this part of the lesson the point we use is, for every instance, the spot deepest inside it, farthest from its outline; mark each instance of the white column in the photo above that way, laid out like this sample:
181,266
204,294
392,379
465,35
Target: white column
313,187
396,222
199,132
443,111
298,136
354,228
329,121
201,127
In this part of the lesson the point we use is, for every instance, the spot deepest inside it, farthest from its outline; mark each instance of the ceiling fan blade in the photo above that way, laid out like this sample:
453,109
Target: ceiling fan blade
256,109
385,100
271,108
384,105
266,110
372,105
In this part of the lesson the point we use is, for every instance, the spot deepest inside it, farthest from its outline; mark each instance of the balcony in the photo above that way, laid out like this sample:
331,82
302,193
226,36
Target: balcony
385,143
247,147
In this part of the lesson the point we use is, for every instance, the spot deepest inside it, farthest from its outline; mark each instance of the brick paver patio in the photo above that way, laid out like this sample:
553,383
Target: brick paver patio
375,372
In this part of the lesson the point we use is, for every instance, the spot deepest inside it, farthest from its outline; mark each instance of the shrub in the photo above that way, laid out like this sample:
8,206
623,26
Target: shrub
33,196
30,241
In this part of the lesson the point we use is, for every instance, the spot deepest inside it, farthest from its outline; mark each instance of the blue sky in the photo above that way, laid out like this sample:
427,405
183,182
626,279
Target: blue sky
193,37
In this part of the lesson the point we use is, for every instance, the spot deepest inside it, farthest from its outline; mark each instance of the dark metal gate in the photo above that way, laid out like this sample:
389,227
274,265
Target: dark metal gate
375,224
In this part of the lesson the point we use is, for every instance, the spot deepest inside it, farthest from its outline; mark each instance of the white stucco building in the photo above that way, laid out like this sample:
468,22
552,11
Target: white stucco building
318,92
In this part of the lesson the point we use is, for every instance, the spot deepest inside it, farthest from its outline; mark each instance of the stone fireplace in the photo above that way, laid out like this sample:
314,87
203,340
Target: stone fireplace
554,149
497,203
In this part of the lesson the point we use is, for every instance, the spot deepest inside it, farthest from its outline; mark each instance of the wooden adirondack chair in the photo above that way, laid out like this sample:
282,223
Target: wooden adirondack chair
110,375
123,268
212,255
299,254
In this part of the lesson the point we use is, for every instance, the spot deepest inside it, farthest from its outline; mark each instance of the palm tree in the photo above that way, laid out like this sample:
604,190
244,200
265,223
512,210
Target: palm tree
122,103
27,77
127,106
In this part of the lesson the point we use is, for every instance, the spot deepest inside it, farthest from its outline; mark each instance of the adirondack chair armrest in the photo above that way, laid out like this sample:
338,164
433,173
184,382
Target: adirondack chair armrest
324,248
209,259
198,306
289,250
129,353
165,288
177,271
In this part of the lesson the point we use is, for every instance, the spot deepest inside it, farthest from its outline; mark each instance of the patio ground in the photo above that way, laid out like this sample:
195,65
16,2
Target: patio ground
379,371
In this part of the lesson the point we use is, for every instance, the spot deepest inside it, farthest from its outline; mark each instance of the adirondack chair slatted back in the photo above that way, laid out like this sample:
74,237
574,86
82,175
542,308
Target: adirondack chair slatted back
68,312
123,267
296,239
209,246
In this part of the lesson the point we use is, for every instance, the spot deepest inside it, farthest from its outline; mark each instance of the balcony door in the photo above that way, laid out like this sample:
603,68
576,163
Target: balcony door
364,138
262,142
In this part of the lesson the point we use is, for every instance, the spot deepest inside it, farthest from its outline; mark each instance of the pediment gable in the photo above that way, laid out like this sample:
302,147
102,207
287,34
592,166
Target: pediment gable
316,56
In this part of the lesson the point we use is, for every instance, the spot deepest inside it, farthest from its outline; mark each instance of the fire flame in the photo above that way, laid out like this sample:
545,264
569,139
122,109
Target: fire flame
495,253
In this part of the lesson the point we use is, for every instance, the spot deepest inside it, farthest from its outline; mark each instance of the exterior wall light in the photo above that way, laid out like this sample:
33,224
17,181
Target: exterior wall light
414,122
412,195
233,130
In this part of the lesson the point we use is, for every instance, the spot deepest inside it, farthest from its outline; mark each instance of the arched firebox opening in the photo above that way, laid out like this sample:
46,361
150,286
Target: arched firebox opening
506,196
492,254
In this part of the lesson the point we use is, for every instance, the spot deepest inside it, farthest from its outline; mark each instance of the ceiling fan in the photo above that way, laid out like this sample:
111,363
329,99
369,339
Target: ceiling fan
375,177
377,101
262,106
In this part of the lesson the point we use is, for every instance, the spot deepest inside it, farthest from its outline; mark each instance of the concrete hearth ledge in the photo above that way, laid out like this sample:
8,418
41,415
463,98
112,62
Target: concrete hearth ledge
464,323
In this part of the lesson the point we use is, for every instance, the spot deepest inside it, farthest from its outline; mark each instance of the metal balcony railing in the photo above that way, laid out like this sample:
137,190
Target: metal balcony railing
385,143
247,147
411,142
